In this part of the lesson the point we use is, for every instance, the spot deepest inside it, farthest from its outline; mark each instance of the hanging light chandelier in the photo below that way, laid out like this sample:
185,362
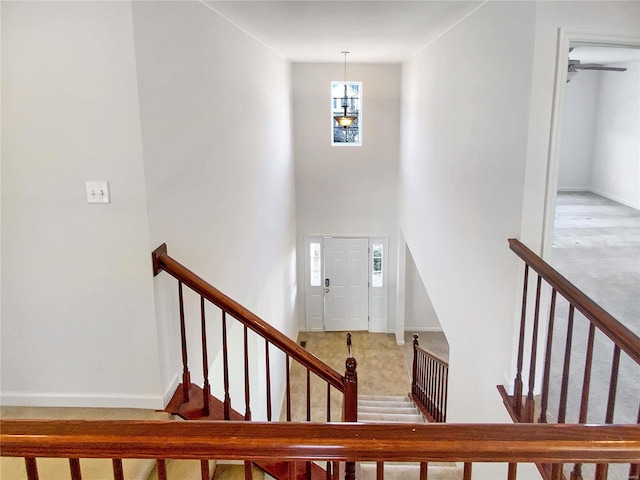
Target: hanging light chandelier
345,120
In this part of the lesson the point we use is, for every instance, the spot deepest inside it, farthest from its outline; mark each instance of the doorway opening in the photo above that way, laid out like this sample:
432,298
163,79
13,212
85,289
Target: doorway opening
346,283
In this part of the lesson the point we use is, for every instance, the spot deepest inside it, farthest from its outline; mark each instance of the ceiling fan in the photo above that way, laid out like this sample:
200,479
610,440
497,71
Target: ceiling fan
575,65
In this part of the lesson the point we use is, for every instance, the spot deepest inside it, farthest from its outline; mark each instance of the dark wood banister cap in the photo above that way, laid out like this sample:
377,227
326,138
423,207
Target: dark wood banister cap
162,261
327,441
622,336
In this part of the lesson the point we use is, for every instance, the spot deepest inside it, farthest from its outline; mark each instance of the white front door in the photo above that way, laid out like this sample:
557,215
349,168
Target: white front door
346,284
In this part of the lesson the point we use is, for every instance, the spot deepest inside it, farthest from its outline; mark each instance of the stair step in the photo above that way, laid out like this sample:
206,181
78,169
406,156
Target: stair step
390,418
384,398
381,404
375,409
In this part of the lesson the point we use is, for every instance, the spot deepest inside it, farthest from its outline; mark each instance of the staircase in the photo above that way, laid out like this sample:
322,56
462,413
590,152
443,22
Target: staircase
397,409
387,409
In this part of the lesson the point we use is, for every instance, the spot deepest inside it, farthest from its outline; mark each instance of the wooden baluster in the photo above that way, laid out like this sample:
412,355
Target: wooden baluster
425,378
328,471
446,395
350,471
266,350
205,474
517,383
512,471
328,402
424,470
248,471
433,384
307,470
32,468
206,389
379,470
186,376
308,395
118,472
544,402
225,368
556,469
429,383
440,391
603,468
162,468
336,470
287,368
576,473
292,470
634,469
414,377
530,402
562,408
74,467
466,472
247,398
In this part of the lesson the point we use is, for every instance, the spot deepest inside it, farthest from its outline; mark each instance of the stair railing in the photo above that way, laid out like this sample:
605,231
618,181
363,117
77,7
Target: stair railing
191,403
604,330
304,442
429,383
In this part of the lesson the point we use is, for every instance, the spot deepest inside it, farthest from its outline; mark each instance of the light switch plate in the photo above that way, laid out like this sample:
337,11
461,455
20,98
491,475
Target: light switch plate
98,192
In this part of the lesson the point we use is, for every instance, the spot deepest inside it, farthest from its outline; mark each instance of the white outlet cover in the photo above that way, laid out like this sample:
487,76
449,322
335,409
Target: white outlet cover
98,192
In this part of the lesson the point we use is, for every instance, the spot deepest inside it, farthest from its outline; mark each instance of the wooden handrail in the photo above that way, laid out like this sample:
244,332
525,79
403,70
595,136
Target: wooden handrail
432,355
622,336
255,441
162,261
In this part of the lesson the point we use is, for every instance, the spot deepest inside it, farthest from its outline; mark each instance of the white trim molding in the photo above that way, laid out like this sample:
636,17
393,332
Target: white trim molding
566,37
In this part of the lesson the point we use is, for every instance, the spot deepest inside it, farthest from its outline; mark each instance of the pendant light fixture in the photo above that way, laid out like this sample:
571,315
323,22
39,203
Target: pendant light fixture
345,120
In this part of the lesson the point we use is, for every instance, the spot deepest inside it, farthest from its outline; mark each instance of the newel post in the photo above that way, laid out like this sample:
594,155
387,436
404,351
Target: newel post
350,404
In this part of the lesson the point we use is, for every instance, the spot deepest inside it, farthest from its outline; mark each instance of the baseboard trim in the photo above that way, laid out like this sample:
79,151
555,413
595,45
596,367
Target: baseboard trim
615,199
24,399
170,390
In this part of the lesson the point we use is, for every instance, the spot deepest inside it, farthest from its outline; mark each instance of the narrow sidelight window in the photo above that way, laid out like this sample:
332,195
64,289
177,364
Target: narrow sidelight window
315,266
376,265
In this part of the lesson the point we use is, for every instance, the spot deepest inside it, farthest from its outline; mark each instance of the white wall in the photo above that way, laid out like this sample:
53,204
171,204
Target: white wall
419,313
347,190
607,17
87,87
78,324
465,101
578,130
215,108
616,156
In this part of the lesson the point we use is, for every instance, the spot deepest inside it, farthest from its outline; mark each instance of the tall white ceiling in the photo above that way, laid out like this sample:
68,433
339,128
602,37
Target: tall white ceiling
318,30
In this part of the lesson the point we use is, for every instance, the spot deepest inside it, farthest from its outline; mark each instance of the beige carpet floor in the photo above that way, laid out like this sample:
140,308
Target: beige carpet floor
382,370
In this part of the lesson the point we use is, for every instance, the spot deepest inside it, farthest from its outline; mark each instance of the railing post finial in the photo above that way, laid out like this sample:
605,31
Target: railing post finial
415,340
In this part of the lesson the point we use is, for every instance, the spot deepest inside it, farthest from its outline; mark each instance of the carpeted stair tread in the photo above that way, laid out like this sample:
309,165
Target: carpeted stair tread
410,410
384,398
387,409
390,417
